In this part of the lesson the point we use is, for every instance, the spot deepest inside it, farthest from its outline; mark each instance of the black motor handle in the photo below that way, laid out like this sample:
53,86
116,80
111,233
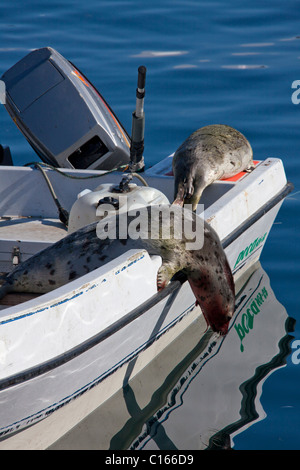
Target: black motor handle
138,124
141,77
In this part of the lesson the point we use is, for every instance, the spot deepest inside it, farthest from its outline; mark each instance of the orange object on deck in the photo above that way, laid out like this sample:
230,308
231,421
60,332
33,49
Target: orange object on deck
233,178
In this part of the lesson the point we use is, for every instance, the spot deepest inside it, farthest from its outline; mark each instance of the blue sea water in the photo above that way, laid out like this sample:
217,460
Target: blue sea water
207,62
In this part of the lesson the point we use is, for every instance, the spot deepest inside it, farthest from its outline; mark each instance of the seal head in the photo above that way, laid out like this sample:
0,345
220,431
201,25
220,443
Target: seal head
211,153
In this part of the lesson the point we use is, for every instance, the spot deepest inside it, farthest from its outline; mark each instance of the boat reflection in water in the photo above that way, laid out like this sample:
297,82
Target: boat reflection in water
196,394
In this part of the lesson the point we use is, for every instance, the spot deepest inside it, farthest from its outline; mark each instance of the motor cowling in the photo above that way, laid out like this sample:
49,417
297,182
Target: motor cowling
85,208
62,115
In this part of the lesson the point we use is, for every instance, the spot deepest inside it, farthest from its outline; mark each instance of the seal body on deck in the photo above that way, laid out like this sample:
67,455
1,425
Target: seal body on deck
211,153
205,265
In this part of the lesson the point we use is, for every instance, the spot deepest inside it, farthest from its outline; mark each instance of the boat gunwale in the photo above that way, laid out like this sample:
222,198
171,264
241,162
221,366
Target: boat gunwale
81,348
236,233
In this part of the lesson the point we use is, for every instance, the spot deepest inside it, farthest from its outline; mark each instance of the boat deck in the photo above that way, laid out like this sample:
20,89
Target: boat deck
22,237
36,229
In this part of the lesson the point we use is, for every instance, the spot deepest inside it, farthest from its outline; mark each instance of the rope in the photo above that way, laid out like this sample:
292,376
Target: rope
122,167
73,176
63,213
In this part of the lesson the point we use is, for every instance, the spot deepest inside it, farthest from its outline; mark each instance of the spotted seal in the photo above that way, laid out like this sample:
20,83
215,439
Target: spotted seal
206,267
213,152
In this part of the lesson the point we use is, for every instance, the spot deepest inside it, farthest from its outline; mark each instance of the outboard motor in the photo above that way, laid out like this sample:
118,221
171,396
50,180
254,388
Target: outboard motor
64,118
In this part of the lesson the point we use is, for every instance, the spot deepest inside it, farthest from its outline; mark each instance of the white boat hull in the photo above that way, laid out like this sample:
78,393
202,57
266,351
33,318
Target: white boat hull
56,347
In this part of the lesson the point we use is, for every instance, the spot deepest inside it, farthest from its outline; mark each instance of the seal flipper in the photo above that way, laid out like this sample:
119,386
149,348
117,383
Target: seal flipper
164,275
189,187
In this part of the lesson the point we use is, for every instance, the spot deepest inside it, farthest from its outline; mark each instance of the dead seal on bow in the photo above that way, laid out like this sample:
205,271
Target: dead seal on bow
211,153
205,267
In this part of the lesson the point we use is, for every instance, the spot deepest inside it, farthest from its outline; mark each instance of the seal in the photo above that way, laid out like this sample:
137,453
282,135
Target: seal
206,268
211,153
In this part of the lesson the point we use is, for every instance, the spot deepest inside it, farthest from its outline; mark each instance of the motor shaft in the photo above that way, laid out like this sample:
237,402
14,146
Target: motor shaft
138,124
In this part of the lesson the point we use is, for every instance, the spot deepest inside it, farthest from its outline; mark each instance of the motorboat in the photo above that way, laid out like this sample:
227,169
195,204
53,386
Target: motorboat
57,346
